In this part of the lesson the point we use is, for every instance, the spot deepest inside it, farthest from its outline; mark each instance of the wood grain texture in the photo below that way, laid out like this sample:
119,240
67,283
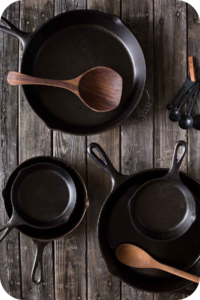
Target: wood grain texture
193,135
9,249
171,71
34,140
99,88
171,63
137,130
169,296
101,284
70,252
72,279
191,69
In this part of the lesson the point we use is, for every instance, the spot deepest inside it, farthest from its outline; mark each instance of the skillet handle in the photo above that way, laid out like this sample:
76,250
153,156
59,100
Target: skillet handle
12,223
38,262
24,37
106,164
176,162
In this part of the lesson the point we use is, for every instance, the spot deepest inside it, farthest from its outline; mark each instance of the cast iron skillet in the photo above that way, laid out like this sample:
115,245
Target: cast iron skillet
43,196
67,46
115,228
41,237
172,196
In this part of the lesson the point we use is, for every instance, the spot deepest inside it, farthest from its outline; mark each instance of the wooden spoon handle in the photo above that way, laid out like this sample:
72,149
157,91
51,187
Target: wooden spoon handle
178,273
191,67
15,78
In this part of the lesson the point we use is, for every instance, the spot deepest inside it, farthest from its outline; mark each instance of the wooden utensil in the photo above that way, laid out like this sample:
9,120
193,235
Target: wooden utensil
135,257
99,88
191,67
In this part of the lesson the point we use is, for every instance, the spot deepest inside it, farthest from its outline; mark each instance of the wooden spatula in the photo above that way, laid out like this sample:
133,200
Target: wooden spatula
99,88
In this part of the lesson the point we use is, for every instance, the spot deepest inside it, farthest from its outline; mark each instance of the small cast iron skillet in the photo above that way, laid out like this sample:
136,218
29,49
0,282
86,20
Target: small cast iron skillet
43,196
67,46
115,228
41,237
156,200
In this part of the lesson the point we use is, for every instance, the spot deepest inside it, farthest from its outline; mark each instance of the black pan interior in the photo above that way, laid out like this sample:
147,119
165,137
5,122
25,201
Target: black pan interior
153,203
44,195
66,47
63,229
182,253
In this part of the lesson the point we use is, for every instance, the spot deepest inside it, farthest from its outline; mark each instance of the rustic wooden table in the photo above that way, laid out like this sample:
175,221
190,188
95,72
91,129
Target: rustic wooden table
74,267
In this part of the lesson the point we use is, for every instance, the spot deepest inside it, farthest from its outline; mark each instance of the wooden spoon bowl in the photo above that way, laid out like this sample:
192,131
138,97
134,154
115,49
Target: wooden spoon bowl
99,88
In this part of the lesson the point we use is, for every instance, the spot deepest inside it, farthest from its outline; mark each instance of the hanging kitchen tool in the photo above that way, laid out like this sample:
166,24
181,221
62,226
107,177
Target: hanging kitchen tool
186,121
43,196
156,200
99,88
196,120
187,90
115,228
65,47
187,85
175,113
41,237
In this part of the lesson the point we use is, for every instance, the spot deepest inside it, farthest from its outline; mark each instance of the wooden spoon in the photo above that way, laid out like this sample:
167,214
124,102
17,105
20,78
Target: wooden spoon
135,257
99,88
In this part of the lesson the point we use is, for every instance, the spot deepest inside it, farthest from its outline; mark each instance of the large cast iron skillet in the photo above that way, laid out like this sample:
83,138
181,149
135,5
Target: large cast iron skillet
41,237
69,45
115,228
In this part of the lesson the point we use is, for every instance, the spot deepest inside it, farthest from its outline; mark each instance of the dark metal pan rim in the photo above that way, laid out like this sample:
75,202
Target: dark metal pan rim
86,200
56,159
88,130
174,288
112,17
128,177
86,205
184,284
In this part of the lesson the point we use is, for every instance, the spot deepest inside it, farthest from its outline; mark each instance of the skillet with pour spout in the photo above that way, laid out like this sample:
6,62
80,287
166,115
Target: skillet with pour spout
115,227
42,236
69,45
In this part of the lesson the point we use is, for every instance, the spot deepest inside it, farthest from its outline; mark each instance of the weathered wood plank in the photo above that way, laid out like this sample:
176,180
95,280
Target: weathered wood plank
193,135
137,132
34,140
171,71
62,6
193,50
134,294
70,252
101,285
9,55
169,296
